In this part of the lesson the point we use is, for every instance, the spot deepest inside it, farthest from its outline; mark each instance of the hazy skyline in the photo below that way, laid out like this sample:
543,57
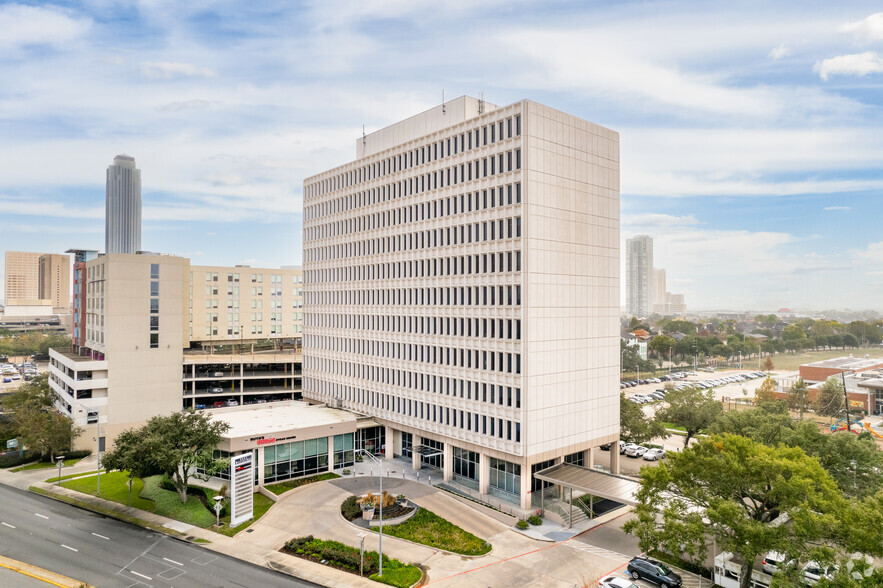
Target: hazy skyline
751,133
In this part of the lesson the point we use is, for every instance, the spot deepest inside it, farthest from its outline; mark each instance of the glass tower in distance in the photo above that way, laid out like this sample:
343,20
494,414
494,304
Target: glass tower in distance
122,220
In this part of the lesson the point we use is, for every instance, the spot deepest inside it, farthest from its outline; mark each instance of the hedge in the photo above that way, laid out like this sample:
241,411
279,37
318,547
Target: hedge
344,557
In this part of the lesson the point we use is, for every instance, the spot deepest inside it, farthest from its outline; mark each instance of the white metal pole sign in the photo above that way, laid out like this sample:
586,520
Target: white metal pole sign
242,485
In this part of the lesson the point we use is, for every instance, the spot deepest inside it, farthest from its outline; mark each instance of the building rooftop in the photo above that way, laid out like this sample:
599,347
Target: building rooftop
277,417
847,363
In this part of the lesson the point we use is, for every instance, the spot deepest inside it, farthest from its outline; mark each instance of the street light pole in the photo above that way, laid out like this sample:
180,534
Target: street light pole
380,541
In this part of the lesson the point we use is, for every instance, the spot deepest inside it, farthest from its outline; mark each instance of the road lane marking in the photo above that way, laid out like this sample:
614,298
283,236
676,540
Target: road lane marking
7,525
41,516
141,575
67,547
102,536
173,561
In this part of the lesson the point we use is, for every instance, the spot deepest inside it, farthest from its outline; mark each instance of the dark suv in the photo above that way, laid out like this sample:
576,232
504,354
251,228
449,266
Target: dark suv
653,571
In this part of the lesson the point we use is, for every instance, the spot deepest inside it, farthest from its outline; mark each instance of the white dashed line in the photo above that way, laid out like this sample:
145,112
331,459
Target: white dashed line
7,525
141,575
67,547
177,563
102,536
36,514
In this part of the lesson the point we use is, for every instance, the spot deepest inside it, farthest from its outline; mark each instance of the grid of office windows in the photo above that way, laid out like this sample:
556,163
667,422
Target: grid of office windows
577,458
343,450
505,476
466,466
407,444
154,305
293,460
426,242
371,439
536,485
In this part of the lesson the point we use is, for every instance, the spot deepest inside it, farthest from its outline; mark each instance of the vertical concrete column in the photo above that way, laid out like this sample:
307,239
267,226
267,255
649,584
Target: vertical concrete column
526,478
589,458
448,462
415,457
484,473
614,457
330,453
389,442
259,464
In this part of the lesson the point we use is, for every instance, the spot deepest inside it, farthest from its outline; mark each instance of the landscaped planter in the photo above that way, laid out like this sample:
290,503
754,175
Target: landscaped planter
367,513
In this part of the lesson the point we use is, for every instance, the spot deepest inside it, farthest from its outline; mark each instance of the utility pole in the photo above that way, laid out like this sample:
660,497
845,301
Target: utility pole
845,400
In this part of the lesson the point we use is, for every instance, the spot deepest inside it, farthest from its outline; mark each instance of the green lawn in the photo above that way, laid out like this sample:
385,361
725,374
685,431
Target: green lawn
789,361
428,528
168,504
402,577
674,427
283,487
113,488
42,465
261,505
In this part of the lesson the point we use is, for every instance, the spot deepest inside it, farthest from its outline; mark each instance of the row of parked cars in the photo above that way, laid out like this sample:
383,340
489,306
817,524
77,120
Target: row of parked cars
666,378
635,450
813,571
728,380
10,372
647,569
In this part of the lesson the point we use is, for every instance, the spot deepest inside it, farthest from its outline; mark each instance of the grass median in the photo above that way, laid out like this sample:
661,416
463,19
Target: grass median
45,465
282,487
113,488
427,528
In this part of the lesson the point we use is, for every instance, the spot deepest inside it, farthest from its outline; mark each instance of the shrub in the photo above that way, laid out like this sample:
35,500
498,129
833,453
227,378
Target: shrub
346,472
522,524
10,460
350,508
534,520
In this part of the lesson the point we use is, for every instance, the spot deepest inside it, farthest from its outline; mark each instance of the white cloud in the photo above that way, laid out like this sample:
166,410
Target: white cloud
856,64
837,208
22,25
870,29
184,105
872,254
164,70
780,52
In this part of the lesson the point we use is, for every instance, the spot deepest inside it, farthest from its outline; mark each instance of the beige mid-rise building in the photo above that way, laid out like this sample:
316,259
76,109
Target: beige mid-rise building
22,277
462,289
140,356
54,271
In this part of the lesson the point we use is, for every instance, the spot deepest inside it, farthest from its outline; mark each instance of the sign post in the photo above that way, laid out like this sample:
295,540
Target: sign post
241,488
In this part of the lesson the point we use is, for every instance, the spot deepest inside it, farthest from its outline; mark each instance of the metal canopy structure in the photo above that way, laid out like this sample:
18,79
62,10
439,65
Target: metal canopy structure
427,451
591,482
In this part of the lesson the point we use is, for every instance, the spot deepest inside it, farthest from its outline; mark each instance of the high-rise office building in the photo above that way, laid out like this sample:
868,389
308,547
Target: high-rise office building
54,279
122,220
22,277
462,288
639,275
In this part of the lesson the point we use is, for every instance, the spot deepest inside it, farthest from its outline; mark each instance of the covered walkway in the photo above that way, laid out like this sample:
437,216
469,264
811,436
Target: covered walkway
589,482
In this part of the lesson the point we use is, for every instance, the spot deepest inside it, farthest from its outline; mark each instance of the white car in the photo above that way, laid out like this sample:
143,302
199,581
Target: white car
635,451
813,571
774,561
623,449
616,582
654,454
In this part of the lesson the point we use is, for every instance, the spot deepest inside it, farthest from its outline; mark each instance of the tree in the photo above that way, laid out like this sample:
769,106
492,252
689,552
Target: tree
174,445
767,392
634,426
829,400
691,408
768,364
36,421
662,345
798,397
766,424
740,488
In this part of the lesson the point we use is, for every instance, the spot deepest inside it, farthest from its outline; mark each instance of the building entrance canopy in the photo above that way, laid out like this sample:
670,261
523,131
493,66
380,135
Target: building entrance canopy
427,451
592,482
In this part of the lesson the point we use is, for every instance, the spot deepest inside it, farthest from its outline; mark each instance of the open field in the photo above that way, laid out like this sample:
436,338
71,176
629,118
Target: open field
789,361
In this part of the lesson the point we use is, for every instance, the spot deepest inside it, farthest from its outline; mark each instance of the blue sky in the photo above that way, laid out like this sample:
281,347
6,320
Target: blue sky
751,137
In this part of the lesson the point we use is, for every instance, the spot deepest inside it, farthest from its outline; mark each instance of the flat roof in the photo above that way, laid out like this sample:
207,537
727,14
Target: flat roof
277,417
594,482
846,363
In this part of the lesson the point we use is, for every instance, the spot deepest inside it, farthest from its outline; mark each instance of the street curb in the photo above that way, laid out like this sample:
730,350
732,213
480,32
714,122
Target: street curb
41,574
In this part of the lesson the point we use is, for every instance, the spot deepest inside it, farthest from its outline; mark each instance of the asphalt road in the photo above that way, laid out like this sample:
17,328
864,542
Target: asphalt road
109,553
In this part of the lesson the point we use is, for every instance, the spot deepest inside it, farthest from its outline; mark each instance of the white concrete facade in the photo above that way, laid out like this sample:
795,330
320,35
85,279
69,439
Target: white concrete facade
462,287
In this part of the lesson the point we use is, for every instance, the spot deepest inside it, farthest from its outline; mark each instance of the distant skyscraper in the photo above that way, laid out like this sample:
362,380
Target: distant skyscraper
22,277
639,275
122,216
